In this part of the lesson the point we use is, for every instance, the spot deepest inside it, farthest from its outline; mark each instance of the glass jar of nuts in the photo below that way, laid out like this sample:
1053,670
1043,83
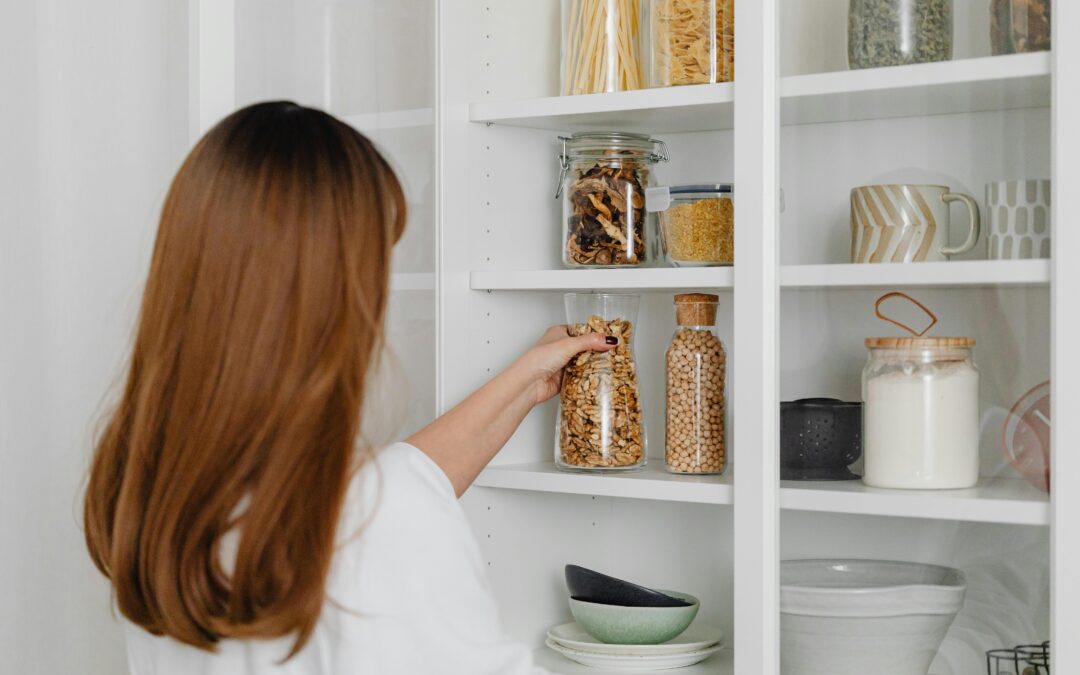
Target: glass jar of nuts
602,184
696,361
600,426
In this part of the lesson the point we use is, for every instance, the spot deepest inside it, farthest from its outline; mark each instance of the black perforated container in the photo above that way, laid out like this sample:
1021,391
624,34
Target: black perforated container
819,439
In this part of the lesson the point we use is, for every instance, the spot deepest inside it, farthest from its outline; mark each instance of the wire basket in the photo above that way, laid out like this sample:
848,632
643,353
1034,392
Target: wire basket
1020,660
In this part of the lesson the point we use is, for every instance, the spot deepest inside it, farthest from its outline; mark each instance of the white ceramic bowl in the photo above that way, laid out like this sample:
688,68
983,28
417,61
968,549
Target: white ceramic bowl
861,617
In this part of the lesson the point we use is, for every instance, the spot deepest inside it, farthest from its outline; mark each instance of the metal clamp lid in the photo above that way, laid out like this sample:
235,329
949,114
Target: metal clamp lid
623,146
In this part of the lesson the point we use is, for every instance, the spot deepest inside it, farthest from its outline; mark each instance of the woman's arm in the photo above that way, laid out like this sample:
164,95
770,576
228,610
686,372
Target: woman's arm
465,439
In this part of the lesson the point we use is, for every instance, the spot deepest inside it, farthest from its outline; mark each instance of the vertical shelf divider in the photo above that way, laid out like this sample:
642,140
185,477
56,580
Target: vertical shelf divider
1065,324
756,349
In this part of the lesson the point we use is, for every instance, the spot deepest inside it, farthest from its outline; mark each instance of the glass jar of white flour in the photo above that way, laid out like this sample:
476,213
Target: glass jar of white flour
920,413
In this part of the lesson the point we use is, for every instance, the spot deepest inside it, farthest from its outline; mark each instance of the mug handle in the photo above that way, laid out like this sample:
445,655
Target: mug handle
973,223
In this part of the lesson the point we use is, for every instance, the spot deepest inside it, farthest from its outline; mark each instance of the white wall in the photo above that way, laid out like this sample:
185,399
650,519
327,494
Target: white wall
92,125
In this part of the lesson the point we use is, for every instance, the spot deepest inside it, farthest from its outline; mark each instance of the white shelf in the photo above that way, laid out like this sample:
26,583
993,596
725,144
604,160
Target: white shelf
993,500
412,281
391,119
962,273
720,663
935,274
691,108
658,278
967,85
652,482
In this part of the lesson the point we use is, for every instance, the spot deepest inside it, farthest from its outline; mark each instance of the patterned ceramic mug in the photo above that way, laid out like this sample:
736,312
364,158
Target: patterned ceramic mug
906,223
1018,219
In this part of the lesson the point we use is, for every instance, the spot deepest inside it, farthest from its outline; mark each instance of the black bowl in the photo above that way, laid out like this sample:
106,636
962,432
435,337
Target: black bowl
819,439
585,584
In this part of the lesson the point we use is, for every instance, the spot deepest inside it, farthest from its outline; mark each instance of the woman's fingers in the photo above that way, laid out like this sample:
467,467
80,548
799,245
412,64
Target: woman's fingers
568,347
552,334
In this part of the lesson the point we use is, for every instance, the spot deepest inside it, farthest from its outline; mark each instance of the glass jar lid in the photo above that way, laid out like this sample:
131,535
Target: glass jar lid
615,144
659,198
704,188
920,343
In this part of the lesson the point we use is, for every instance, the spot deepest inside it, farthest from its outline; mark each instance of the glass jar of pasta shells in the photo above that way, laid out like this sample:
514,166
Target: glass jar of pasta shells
600,426
693,41
696,364
602,186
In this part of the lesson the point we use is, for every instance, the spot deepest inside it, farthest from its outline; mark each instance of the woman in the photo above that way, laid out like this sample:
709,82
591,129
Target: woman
244,525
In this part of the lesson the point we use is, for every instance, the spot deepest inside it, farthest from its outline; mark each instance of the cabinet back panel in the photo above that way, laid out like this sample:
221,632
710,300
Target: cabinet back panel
821,163
684,547
1008,582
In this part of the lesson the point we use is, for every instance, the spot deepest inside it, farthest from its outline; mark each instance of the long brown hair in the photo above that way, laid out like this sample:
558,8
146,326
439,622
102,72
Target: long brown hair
260,320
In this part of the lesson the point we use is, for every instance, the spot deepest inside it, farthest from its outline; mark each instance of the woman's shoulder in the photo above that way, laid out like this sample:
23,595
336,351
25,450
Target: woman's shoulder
399,488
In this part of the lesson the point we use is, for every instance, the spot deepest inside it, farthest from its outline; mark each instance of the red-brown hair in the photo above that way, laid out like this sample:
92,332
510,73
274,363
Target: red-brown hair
260,320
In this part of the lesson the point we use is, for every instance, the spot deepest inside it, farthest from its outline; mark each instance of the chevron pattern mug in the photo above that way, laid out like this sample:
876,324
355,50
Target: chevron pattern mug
906,223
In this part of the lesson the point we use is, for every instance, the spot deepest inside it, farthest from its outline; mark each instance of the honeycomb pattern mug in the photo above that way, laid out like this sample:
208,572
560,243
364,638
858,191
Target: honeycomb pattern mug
1018,219
906,223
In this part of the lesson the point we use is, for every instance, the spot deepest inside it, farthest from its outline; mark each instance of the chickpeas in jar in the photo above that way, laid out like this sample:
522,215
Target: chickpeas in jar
696,362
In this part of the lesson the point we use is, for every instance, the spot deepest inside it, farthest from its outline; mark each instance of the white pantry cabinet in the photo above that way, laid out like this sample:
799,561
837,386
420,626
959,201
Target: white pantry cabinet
461,94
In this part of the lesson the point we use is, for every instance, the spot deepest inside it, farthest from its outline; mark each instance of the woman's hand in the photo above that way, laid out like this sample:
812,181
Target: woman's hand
465,439
544,363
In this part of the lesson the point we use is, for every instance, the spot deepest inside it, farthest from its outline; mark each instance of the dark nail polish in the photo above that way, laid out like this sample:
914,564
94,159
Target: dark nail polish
611,340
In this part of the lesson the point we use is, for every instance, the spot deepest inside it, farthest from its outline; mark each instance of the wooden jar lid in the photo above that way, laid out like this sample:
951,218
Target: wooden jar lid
919,342
695,309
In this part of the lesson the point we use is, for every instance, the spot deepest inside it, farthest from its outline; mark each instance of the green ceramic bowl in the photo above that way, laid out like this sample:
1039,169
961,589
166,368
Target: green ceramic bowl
615,624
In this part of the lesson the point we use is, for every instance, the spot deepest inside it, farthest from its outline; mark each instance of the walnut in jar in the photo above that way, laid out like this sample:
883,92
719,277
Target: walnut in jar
600,419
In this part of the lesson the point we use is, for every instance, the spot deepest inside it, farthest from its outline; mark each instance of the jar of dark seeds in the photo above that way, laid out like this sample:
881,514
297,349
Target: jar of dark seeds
602,186
899,32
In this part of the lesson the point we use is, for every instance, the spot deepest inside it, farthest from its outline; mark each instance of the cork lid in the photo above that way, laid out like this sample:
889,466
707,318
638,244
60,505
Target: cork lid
695,309
919,342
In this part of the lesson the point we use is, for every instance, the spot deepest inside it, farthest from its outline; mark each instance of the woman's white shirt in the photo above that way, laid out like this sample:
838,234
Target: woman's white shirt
407,593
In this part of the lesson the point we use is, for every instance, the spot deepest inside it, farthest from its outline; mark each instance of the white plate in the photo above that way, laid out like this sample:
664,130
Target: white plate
624,662
694,638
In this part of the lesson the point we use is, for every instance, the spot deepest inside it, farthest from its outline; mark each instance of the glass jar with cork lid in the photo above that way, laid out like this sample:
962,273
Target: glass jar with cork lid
696,363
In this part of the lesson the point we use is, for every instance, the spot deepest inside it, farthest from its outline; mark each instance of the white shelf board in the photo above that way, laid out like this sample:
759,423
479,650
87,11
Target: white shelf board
654,278
412,281
720,663
690,108
391,119
993,500
652,482
933,274
966,85
961,273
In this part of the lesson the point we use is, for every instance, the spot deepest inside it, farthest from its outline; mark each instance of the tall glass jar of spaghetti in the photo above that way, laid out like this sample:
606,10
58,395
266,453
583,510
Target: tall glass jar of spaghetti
602,46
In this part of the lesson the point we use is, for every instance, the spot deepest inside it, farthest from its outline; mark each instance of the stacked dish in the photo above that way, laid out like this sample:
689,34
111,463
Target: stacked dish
623,626
693,646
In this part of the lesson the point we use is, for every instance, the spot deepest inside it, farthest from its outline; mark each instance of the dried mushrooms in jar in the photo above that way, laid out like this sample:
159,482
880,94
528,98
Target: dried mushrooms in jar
603,189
